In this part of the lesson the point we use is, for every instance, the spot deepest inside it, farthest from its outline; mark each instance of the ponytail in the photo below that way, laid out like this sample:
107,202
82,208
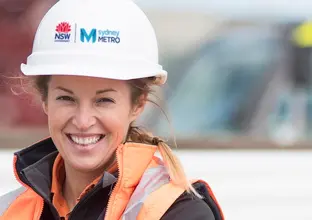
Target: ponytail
172,163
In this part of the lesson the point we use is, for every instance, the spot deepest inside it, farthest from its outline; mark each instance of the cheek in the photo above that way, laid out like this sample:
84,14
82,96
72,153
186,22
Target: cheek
115,121
57,116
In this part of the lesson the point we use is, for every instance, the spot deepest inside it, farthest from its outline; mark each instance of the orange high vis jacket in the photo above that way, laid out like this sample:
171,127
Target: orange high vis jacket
142,189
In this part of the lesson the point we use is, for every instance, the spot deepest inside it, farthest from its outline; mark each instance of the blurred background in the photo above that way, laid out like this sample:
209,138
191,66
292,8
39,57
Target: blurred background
238,97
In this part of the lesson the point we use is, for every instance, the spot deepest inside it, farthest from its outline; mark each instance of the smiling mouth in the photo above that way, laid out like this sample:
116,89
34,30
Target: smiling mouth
84,141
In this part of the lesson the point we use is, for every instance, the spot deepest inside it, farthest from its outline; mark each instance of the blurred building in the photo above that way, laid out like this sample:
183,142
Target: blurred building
18,22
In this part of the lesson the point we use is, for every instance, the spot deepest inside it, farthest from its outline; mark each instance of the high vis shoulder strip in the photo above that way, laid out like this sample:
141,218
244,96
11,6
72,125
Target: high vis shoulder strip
7,199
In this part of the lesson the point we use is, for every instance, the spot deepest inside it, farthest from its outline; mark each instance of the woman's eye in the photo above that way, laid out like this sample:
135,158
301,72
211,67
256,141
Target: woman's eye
105,100
65,98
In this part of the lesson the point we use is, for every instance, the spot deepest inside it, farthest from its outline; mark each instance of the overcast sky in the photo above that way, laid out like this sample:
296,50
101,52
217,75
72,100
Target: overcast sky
279,9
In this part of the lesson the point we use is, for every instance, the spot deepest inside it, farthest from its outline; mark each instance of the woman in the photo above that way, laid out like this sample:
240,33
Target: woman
93,63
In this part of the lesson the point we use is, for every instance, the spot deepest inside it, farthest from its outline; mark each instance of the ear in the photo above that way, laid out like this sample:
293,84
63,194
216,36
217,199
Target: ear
45,107
138,108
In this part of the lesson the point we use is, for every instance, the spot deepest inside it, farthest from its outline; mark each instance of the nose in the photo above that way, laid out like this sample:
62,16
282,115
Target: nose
84,117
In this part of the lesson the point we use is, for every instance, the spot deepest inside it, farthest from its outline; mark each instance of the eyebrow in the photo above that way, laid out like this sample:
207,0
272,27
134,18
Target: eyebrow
65,90
105,90
97,92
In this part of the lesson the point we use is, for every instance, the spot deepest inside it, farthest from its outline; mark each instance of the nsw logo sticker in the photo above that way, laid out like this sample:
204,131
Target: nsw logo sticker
62,34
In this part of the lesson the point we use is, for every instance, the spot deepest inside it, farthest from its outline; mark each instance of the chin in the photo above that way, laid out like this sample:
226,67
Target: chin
84,164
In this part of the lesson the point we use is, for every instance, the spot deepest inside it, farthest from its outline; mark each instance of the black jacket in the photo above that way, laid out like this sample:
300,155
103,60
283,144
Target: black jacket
92,206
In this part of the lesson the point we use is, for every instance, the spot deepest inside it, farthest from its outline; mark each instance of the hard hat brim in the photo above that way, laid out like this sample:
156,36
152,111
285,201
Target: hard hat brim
107,68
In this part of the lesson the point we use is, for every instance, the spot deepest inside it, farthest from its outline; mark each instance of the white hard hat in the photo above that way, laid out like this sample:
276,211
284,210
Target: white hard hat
100,38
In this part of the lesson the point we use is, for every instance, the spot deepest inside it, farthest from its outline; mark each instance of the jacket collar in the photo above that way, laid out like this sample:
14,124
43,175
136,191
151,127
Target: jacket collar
37,152
33,165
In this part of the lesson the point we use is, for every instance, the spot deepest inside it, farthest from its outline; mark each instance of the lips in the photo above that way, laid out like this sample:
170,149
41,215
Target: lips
85,139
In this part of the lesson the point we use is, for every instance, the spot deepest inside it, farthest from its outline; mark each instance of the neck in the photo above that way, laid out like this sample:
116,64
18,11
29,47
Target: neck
76,182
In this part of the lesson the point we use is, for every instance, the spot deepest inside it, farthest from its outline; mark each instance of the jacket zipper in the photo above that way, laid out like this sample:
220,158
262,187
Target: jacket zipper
116,187
84,199
54,211
96,189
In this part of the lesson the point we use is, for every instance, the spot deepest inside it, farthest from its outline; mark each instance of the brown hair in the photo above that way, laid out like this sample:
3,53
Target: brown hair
139,87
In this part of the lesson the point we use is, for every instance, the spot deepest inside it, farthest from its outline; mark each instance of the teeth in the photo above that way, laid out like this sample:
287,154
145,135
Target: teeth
86,140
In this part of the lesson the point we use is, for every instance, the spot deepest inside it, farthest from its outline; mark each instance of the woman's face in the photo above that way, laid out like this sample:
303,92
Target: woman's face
88,118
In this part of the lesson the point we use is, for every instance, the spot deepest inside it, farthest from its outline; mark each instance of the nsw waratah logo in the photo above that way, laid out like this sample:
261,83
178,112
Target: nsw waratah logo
62,34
